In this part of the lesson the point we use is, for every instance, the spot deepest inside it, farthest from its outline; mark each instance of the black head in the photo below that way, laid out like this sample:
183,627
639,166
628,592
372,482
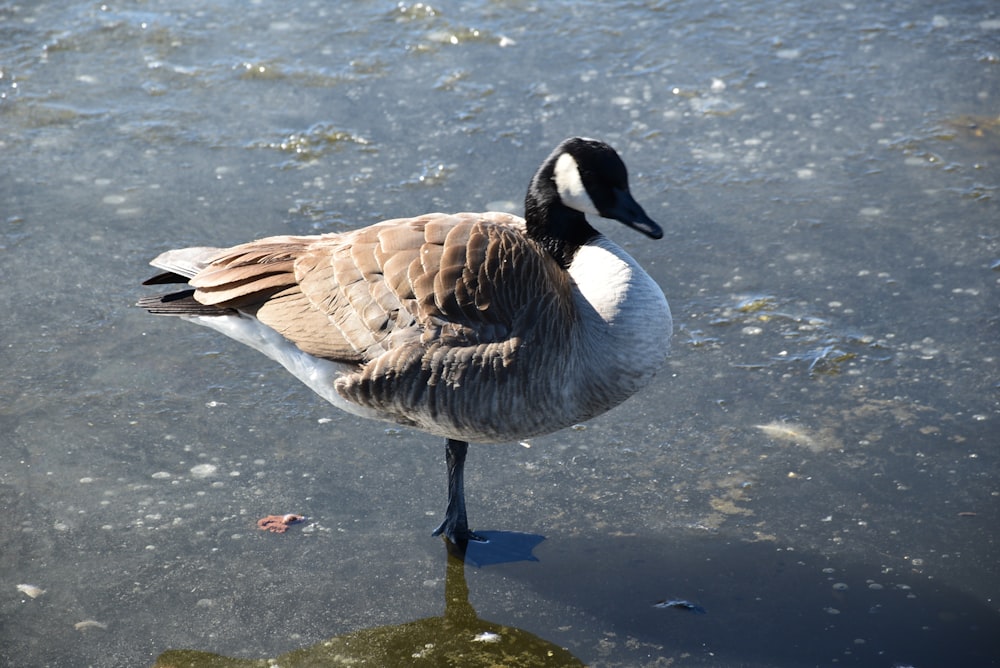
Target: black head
581,176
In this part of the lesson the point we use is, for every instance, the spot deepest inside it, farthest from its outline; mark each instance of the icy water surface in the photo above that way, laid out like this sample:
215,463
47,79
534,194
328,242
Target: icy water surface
816,470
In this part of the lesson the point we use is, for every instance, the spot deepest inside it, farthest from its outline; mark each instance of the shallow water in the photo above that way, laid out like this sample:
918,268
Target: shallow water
817,468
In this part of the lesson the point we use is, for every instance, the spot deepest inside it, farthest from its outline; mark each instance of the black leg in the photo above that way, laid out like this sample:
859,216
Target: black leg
455,526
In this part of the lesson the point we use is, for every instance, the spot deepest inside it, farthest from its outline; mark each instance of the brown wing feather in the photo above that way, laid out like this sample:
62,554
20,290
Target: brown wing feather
492,311
356,296
242,275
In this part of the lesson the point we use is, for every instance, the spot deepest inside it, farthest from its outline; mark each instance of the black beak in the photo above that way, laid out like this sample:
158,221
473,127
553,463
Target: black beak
626,210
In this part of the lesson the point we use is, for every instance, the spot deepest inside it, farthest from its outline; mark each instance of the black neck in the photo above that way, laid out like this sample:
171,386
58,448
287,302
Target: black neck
558,228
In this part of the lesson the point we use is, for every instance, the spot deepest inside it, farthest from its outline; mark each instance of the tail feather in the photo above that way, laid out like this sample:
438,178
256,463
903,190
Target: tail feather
180,303
179,266
165,278
184,262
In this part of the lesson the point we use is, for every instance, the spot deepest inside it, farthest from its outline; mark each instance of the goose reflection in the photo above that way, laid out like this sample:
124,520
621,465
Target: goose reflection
456,638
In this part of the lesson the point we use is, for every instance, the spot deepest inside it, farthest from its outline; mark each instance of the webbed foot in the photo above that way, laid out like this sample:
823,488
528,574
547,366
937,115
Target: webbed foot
457,532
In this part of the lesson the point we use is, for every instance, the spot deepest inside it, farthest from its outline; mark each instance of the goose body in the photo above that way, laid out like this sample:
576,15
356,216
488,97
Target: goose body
477,327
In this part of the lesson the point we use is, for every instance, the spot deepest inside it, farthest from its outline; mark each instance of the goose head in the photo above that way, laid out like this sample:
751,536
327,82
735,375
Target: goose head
581,176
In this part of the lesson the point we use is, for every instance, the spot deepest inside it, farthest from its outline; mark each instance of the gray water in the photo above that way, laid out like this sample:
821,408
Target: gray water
816,468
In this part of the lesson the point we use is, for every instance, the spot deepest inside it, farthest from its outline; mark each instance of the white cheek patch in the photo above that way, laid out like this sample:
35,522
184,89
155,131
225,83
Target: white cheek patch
570,185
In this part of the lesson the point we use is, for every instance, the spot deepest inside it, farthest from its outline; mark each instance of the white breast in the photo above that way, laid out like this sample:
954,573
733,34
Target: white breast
626,326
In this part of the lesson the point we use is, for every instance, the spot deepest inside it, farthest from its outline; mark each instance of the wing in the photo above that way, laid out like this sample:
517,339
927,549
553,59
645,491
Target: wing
442,280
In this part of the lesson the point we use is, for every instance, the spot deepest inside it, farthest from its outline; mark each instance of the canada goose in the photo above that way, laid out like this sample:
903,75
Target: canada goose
472,326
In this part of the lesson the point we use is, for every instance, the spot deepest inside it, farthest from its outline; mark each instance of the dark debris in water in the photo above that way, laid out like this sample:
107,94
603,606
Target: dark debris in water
698,339
825,360
681,604
965,143
981,130
756,303
805,341
313,143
